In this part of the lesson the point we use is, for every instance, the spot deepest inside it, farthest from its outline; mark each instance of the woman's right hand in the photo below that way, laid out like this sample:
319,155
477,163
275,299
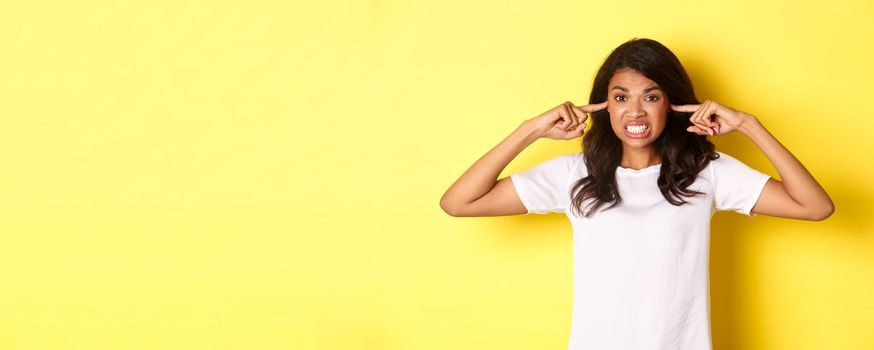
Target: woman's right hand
565,121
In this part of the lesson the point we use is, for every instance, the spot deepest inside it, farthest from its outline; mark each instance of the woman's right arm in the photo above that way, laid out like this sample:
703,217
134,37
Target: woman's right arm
478,193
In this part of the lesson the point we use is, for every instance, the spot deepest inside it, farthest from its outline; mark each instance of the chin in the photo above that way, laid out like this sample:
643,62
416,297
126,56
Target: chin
638,144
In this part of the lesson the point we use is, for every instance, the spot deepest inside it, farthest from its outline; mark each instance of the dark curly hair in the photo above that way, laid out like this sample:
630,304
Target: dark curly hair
683,154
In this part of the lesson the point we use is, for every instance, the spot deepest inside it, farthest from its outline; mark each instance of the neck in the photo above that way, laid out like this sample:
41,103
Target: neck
637,159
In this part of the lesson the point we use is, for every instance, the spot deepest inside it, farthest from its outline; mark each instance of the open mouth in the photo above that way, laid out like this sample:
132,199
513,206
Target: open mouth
637,129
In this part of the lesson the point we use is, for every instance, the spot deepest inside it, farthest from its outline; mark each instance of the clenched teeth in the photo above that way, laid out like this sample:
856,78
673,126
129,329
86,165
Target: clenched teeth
637,129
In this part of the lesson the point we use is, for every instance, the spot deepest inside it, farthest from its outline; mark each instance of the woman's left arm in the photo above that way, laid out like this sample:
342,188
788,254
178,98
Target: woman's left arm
798,195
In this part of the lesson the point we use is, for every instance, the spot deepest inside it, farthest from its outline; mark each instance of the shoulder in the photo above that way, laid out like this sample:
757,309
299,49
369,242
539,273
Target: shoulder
576,163
572,159
730,168
556,168
567,165
565,161
725,161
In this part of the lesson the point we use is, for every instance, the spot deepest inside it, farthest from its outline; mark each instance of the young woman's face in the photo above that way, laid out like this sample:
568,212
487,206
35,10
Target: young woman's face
638,108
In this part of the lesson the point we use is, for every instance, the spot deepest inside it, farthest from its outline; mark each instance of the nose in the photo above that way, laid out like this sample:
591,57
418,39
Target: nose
635,110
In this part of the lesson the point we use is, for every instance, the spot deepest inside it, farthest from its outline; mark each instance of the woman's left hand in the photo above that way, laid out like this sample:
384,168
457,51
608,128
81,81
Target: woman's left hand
703,122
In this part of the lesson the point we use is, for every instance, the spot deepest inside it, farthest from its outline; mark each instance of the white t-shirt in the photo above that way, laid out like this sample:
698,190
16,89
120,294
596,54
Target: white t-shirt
641,268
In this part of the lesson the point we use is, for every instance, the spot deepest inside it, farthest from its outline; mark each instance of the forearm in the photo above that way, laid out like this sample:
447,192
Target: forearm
797,181
481,177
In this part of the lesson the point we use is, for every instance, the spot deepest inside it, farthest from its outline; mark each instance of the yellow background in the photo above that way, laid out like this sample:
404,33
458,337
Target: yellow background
266,175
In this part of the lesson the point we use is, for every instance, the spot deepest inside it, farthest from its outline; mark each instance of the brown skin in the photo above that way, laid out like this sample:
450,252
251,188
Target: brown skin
565,121
634,97
797,195
478,193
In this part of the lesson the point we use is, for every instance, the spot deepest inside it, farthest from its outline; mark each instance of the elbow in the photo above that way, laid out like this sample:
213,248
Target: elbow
823,213
448,208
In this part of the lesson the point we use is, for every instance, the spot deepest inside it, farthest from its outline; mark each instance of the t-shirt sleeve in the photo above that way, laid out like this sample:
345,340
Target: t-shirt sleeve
543,188
737,186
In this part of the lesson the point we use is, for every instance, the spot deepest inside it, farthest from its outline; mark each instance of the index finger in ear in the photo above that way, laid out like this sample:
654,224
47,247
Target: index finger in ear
594,107
685,108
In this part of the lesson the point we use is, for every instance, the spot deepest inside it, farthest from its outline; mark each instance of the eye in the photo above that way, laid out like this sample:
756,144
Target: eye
654,98
618,97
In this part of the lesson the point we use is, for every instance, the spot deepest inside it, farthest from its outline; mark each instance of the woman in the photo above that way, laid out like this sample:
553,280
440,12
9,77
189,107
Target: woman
640,197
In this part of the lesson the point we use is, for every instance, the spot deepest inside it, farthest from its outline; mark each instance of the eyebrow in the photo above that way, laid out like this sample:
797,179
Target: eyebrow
644,90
